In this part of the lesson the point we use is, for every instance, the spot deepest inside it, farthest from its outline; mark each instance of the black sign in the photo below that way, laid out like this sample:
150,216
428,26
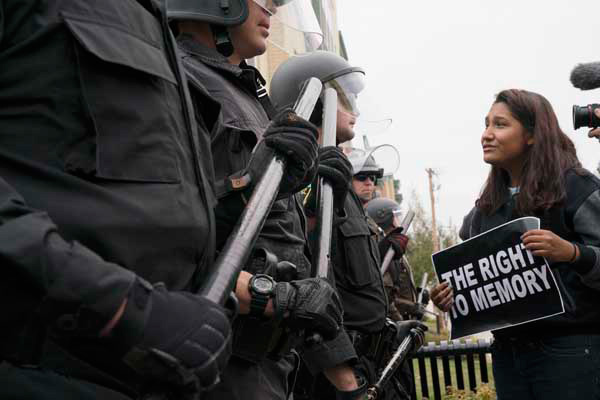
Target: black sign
496,281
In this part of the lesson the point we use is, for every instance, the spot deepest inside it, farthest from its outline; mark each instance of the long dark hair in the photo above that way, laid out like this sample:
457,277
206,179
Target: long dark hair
551,154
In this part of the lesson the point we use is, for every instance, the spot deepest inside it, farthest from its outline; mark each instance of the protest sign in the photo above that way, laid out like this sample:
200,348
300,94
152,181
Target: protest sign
497,282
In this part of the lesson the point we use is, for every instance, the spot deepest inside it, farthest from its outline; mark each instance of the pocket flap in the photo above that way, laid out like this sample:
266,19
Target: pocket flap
132,51
355,226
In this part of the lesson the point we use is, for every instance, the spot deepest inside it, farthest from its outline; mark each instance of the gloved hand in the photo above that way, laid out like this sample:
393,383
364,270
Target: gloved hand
311,304
397,240
404,327
418,311
294,139
425,297
335,168
174,337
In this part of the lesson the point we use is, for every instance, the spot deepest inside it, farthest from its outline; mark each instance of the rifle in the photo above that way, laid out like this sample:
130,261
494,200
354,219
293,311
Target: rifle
238,247
389,255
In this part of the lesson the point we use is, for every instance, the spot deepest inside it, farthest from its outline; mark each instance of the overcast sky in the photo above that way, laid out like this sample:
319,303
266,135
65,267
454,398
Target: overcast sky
434,67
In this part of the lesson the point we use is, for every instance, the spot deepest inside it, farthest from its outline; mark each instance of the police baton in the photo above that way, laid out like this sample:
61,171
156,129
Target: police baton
408,218
236,251
325,203
412,342
325,192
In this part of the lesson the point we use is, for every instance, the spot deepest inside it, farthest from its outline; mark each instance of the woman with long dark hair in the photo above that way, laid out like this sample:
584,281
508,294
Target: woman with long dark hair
535,172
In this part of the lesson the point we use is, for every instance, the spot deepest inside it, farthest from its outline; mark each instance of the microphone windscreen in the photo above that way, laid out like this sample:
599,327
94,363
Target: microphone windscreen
586,76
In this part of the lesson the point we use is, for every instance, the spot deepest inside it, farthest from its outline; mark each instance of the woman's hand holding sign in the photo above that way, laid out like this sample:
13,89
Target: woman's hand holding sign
442,296
543,243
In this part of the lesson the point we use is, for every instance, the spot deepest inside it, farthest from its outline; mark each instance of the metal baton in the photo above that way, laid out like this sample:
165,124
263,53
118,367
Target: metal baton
325,210
405,348
408,218
241,241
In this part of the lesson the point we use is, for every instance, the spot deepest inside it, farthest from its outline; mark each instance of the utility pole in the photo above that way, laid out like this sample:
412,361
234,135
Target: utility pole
440,320
434,232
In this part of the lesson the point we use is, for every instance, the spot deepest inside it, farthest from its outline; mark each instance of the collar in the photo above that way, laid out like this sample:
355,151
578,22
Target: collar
250,76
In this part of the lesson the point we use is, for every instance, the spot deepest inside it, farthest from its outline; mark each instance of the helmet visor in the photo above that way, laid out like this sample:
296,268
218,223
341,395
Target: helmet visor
294,25
396,218
380,160
348,86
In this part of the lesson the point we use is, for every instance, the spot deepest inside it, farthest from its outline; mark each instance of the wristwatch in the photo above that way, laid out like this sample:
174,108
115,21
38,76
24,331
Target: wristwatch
261,288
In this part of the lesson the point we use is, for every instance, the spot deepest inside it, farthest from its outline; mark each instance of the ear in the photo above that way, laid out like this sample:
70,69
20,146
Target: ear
530,140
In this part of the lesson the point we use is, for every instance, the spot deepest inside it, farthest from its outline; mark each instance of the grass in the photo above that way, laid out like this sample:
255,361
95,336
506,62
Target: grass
452,373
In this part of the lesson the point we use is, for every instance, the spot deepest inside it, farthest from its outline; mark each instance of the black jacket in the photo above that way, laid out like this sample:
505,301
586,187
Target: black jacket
577,221
241,124
356,265
97,137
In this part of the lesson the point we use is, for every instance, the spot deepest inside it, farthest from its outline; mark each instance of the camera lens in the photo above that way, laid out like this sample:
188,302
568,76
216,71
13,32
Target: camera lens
584,116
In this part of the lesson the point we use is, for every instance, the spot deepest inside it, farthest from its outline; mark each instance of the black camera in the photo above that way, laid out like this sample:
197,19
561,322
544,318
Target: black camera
584,116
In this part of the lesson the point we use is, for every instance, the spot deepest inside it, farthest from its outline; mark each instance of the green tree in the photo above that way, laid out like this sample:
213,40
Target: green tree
420,247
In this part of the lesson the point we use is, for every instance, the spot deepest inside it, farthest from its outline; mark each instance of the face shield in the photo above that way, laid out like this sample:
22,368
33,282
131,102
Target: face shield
380,160
364,129
347,86
396,218
294,25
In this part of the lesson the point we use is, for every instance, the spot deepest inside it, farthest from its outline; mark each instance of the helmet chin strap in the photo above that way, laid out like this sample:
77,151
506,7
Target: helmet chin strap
222,40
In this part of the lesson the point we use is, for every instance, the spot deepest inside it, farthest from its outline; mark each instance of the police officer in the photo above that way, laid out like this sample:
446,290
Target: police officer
354,252
105,192
398,281
216,38
105,207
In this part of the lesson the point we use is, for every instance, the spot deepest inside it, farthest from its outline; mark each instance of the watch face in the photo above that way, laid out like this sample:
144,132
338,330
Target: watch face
263,285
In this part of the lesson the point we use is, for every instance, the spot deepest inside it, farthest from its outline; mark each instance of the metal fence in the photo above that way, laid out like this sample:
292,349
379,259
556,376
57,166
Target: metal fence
451,354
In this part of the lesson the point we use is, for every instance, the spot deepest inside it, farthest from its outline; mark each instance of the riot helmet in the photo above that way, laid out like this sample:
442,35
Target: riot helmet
376,160
333,71
364,162
385,212
296,15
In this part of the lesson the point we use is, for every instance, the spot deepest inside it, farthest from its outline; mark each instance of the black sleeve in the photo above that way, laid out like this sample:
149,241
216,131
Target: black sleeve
329,354
65,272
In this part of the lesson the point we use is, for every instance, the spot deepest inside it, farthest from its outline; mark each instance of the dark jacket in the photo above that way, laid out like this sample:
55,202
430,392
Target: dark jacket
241,125
576,220
400,289
97,137
356,262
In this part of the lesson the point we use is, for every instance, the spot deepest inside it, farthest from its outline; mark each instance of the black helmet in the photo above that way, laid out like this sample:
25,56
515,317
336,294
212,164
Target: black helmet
383,211
222,14
217,12
333,71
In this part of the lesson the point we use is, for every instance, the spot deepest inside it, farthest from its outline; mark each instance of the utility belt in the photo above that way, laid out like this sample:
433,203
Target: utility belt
376,347
365,344
255,338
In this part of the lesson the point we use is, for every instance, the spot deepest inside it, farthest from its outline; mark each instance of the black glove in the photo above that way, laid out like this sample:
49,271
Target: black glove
178,338
335,168
404,327
417,311
310,304
426,297
293,138
397,240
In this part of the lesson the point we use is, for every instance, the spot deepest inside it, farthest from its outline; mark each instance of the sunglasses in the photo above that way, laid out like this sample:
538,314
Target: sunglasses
364,177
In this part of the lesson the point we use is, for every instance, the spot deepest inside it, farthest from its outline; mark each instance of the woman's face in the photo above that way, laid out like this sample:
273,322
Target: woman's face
505,141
